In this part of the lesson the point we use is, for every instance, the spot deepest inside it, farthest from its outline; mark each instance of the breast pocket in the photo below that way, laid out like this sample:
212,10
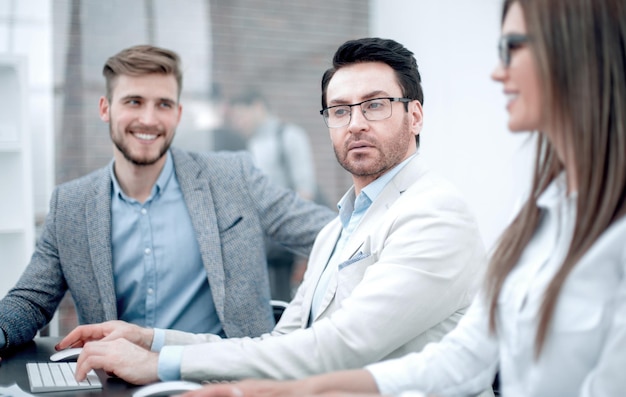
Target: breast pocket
575,313
351,273
579,328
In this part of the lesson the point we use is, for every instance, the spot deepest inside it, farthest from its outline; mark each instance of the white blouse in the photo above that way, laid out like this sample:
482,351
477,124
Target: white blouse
585,350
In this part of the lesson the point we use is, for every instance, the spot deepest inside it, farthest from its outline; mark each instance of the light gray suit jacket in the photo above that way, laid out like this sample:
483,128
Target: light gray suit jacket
404,279
231,204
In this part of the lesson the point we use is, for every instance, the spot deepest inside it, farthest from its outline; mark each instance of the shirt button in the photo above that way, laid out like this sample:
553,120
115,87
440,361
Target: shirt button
150,291
144,211
147,251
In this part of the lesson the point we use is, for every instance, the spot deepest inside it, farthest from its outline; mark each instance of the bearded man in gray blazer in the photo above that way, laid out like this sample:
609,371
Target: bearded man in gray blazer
396,270
160,237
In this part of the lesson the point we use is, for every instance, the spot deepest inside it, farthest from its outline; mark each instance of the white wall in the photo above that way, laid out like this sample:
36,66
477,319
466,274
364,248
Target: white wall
465,135
26,30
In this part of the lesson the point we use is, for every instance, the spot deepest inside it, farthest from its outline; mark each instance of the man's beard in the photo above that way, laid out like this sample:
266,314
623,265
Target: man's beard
136,161
393,155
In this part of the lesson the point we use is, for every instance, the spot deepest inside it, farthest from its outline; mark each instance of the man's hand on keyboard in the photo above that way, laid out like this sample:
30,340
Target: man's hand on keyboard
107,331
121,358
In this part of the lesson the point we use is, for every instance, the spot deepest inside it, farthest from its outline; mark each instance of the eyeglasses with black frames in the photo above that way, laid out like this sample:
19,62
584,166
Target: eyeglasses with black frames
509,43
373,110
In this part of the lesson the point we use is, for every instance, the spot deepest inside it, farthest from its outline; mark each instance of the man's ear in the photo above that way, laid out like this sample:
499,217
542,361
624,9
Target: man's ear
417,116
104,109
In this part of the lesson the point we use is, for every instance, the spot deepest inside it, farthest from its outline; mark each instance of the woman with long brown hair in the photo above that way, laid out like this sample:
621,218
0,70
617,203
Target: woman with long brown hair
552,315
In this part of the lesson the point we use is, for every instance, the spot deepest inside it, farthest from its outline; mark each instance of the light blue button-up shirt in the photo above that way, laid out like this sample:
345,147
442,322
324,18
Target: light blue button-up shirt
159,276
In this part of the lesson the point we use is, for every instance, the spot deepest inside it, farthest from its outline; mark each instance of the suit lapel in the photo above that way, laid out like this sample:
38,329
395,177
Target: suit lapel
374,216
324,246
98,215
199,200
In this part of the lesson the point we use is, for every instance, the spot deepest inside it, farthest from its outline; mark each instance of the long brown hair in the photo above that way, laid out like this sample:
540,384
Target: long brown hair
580,50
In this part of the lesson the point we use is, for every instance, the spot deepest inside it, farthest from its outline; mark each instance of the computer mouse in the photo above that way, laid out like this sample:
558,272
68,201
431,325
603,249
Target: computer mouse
166,388
67,354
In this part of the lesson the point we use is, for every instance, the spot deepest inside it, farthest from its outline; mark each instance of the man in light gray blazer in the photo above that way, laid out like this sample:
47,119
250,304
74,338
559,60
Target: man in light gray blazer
394,271
160,237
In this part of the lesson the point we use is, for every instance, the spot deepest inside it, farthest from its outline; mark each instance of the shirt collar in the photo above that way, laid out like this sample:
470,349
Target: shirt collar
349,202
160,184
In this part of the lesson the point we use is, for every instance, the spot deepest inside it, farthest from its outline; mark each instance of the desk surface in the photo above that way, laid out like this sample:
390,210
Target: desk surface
13,370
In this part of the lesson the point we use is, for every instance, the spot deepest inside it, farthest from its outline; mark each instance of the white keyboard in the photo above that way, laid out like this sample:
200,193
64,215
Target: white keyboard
45,377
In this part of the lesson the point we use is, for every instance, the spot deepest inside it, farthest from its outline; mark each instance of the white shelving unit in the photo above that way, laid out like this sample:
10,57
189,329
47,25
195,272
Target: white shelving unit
16,194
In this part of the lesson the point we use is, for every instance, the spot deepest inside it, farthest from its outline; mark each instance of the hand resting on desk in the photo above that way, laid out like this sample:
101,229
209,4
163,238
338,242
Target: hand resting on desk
267,388
250,388
272,388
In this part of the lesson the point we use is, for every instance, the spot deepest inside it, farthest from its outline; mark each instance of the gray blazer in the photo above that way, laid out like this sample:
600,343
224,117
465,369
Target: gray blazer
231,203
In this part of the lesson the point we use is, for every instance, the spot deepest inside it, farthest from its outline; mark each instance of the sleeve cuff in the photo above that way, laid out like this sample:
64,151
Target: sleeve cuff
169,363
158,340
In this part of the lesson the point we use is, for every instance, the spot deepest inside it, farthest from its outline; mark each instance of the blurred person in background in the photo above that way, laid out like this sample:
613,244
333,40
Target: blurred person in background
283,151
222,132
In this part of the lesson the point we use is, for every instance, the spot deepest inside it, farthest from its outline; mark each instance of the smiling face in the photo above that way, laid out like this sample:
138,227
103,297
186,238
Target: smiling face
521,78
142,113
368,149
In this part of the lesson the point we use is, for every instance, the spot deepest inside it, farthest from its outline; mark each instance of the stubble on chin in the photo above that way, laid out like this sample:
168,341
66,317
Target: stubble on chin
144,161
134,159
384,156
361,164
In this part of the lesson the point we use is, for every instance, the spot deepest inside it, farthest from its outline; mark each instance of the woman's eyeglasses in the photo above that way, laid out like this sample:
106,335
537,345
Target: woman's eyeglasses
509,43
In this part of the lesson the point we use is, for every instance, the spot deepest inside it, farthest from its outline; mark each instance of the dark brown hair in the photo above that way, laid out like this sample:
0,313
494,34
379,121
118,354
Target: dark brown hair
390,52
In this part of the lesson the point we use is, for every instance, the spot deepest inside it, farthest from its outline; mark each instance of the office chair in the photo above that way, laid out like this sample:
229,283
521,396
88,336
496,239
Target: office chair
278,307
